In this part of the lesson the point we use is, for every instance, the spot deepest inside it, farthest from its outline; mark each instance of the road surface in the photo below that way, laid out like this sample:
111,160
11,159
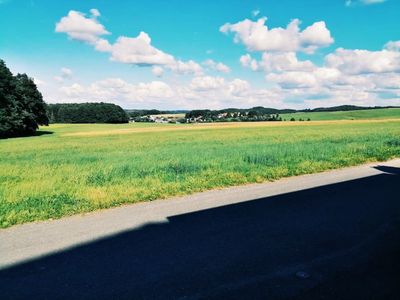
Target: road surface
334,235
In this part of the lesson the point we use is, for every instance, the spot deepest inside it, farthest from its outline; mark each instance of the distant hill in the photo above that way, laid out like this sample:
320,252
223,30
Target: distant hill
357,114
258,109
150,112
345,108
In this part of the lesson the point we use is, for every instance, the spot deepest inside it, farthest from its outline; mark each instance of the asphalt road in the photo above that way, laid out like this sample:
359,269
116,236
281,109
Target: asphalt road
330,236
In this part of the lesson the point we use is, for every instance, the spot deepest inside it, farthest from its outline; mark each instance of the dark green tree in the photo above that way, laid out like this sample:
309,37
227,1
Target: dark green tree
32,101
22,108
87,113
10,112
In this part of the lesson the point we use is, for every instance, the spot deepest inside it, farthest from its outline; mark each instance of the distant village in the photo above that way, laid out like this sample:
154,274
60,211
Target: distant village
253,114
206,116
221,117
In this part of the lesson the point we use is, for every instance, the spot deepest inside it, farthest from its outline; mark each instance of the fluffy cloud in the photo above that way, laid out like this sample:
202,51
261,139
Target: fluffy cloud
364,61
238,87
388,81
207,83
293,79
78,27
189,67
392,46
280,62
249,62
256,36
216,66
154,89
73,91
301,79
116,89
139,51
277,62
130,50
179,67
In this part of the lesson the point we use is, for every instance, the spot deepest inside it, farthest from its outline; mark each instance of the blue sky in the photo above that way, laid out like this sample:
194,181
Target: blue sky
197,54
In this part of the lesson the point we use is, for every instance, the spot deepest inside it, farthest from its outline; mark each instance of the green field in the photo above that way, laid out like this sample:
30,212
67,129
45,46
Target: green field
80,168
368,114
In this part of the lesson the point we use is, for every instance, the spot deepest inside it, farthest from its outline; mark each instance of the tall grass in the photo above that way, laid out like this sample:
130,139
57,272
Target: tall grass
54,175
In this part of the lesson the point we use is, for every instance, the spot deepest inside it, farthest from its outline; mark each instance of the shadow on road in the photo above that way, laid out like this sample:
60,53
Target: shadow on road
388,169
339,241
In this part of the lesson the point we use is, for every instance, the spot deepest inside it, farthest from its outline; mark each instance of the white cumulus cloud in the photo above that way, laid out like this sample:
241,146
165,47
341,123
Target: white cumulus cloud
247,61
130,50
256,36
79,27
207,83
188,67
287,61
392,46
139,51
216,66
364,61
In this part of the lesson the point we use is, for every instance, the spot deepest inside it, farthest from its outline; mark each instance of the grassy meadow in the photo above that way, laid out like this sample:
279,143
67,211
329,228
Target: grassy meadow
368,114
80,168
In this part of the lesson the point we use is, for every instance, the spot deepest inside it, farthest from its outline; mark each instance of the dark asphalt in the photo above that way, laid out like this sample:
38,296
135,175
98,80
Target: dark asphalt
340,241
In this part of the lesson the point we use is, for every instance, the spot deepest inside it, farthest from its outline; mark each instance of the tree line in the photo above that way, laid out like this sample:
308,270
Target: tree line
22,108
135,113
87,113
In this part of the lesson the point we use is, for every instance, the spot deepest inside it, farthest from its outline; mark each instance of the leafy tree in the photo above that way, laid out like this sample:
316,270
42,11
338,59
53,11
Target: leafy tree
10,121
22,108
32,101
